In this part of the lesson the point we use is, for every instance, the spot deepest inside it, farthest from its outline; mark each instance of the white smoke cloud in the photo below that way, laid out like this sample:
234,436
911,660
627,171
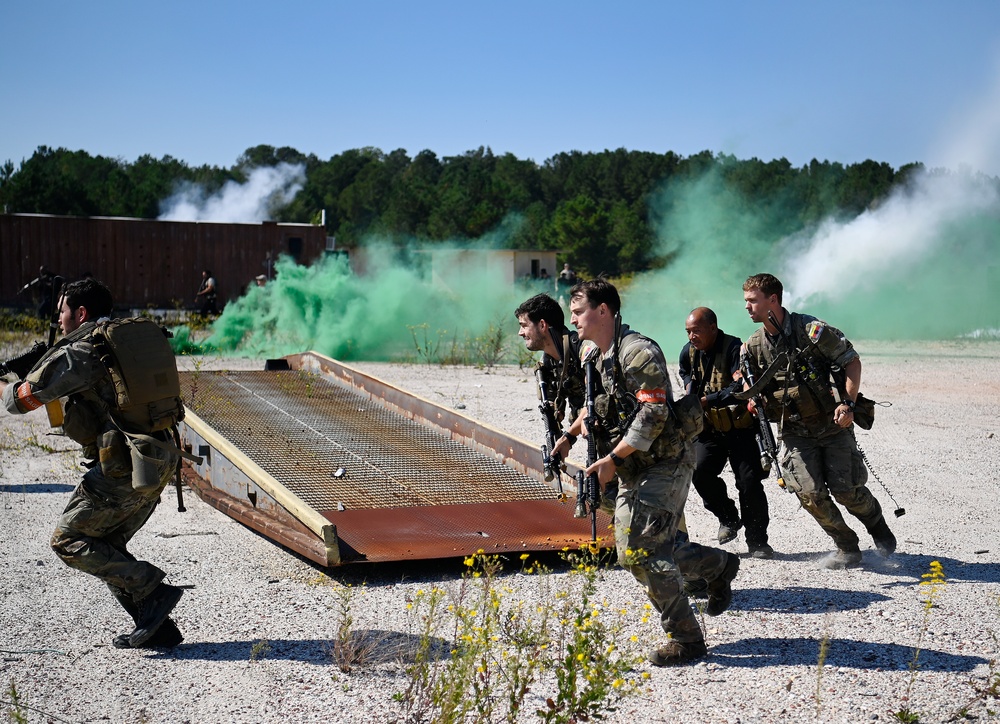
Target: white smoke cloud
974,142
265,191
885,243
911,226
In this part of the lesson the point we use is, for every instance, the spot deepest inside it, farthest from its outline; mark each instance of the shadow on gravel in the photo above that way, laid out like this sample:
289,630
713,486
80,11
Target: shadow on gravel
801,599
366,647
915,565
848,653
911,566
37,488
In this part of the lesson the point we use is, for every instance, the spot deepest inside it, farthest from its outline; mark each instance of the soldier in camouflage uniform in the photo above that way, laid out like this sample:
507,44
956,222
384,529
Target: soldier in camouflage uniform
815,417
105,511
542,326
653,464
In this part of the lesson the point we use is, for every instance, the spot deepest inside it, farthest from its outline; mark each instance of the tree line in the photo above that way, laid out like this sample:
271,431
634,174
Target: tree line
593,206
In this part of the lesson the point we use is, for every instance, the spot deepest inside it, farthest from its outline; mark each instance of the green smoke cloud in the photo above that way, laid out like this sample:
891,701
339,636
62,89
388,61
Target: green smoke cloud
923,265
401,305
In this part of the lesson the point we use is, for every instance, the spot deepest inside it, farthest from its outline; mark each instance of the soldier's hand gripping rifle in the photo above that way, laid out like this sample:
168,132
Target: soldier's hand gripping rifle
588,487
23,363
552,462
766,443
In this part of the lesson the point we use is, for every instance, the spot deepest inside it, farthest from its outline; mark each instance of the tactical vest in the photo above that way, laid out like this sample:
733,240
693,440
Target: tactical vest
564,377
722,419
683,423
801,392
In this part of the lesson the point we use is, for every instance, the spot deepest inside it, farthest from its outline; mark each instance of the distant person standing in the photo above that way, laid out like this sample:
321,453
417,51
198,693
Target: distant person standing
567,277
207,294
42,287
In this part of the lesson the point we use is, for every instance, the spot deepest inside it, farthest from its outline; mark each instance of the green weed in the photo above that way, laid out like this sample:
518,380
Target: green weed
933,583
503,649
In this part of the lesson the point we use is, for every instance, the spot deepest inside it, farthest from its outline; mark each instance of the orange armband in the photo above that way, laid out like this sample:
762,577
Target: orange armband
27,398
655,397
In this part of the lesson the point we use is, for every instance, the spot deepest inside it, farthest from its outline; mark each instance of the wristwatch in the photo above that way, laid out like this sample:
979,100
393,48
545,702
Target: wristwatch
618,461
849,403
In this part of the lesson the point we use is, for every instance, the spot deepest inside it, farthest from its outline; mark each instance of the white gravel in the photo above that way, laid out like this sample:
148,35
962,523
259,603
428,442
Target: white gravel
259,622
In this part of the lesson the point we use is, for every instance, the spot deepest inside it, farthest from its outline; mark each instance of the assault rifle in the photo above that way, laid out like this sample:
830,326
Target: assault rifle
552,462
766,443
23,363
588,487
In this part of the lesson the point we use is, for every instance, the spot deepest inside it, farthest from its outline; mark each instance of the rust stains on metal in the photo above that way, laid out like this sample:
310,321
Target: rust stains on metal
442,531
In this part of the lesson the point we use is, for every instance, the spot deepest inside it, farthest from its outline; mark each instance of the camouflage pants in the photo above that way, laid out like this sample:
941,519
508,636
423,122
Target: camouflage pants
648,511
821,470
102,516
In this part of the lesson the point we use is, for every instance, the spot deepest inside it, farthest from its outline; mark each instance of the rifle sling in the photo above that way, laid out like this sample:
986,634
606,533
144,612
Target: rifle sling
758,386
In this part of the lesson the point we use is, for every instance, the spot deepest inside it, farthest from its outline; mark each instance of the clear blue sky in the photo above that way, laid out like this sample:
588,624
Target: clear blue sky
895,80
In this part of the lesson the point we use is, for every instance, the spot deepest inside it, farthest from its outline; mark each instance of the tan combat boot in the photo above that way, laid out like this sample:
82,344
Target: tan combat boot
675,653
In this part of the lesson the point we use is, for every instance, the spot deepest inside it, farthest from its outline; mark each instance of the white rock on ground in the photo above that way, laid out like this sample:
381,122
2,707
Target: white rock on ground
259,622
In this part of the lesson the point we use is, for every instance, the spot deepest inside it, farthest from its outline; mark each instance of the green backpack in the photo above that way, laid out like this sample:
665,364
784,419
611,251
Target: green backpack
141,363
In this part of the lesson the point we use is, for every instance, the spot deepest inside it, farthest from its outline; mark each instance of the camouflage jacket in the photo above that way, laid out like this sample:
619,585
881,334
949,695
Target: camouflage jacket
564,377
801,396
71,368
635,406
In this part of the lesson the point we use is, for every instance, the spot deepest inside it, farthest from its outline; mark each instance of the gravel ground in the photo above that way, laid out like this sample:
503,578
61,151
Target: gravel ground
259,622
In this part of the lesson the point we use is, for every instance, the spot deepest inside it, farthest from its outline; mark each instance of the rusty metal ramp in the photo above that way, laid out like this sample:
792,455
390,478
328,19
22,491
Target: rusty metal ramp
343,467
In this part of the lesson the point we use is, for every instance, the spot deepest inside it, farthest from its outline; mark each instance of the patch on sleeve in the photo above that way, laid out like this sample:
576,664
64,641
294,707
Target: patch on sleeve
815,330
27,398
653,397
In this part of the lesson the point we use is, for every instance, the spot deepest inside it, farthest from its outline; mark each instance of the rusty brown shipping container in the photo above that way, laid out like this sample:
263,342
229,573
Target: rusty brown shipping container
147,263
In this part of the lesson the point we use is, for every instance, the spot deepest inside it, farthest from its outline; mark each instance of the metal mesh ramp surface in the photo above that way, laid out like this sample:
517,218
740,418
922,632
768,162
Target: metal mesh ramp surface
336,449
291,452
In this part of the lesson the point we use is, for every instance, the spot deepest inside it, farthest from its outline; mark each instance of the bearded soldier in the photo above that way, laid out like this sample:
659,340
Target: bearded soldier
128,461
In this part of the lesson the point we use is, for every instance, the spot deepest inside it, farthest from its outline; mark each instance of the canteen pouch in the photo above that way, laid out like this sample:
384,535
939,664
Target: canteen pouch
145,475
114,455
864,412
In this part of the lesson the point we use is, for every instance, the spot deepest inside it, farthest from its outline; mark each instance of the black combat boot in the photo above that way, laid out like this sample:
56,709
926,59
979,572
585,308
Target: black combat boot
167,635
154,610
720,590
885,541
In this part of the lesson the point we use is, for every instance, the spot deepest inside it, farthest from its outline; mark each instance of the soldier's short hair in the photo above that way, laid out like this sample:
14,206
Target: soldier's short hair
90,294
597,292
539,307
768,284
